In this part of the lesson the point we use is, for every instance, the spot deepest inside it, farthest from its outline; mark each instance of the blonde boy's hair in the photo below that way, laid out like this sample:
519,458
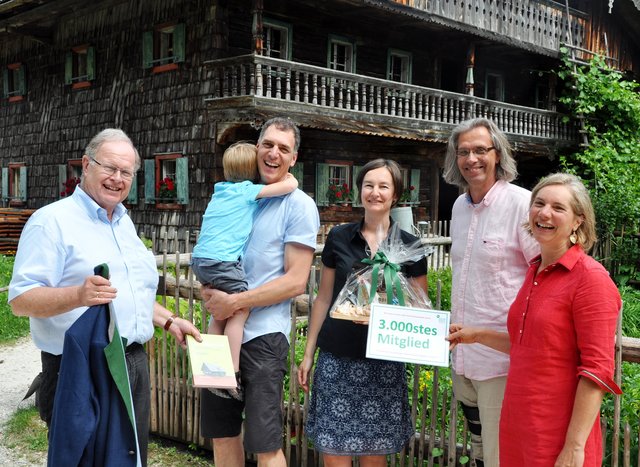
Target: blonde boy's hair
239,162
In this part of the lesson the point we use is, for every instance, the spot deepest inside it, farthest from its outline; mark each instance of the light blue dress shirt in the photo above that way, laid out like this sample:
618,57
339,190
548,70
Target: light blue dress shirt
59,247
292,218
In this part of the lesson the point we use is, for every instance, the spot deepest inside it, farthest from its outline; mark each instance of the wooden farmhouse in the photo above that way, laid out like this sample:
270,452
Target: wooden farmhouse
363,79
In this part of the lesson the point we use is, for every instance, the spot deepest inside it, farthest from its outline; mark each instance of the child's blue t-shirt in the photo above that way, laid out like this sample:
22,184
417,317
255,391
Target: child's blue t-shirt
228,220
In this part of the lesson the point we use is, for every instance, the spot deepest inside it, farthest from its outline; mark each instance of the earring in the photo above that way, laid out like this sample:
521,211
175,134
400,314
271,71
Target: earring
573,238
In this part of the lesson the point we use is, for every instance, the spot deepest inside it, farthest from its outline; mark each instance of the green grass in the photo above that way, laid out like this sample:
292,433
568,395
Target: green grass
13,327
26,434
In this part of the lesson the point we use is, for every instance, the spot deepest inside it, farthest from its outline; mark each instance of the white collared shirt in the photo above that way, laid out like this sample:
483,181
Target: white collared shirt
490,254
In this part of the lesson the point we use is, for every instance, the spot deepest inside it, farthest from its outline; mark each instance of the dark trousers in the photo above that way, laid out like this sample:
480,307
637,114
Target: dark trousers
138,369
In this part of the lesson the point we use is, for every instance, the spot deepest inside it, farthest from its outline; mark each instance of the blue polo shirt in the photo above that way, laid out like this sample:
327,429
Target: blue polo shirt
292,218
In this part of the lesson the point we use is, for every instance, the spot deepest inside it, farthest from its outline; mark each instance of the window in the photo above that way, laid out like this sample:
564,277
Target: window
277,39
334,183
542,96
399,66
166,180
14,184
341,54
494,86
163,48
13,82
79,67
69,177
411,180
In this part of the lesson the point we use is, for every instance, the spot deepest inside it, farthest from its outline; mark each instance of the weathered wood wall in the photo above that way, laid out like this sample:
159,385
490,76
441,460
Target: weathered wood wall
161,112
166,112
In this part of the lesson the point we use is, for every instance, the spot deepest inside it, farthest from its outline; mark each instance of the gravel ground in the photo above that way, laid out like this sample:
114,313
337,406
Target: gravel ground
19,364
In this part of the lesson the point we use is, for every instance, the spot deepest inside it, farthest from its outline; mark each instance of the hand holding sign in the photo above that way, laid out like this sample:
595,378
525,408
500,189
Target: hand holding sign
407,334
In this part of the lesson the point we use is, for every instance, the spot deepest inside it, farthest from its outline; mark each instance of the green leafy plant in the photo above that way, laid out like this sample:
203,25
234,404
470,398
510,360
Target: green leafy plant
13,327
407,195
442,276
608,107
339,193
166,189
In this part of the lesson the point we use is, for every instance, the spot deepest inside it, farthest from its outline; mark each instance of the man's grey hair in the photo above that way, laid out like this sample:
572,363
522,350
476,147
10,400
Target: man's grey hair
282,124
108,135
505,170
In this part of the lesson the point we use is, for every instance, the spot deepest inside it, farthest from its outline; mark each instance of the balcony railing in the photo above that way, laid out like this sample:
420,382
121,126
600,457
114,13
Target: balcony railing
430,113
541,23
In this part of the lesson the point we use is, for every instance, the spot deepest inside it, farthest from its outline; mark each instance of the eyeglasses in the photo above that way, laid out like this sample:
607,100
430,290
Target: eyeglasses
479,151
111,170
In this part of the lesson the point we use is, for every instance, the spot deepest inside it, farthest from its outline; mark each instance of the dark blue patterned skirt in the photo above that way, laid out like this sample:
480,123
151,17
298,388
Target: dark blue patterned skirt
358,406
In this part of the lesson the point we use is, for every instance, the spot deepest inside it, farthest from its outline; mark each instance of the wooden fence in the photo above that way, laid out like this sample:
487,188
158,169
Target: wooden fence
440,437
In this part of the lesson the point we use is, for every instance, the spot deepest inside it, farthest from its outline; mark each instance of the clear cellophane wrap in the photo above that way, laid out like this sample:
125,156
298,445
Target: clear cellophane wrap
381,280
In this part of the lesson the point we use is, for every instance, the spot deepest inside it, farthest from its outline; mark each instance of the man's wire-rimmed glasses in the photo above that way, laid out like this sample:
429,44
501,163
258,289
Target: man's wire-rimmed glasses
479,151
110,170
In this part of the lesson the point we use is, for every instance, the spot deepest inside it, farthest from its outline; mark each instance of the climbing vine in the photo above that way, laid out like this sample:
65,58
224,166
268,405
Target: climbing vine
610,164
608,105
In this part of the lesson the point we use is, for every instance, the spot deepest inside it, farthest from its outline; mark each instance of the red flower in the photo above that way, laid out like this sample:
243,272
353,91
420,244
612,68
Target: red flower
70,186
166,188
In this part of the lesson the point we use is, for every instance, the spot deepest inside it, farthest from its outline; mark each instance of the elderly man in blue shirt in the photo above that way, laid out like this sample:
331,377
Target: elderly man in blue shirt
53,281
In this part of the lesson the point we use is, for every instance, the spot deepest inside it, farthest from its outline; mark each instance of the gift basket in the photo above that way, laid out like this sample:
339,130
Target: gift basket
381,281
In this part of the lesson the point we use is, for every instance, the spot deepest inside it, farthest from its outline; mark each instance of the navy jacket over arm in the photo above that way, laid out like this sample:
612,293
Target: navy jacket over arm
90,424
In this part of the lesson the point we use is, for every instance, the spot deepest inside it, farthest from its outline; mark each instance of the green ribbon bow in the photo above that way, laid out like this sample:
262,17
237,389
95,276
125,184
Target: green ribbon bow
391,279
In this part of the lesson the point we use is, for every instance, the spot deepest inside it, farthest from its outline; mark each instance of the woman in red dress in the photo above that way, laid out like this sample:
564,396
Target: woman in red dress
561,337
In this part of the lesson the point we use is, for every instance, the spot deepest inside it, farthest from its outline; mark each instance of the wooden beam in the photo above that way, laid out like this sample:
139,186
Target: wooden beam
630,349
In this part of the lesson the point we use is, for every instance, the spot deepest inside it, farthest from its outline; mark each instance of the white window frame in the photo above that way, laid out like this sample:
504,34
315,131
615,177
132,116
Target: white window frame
333,172
349,64
286,36
406,65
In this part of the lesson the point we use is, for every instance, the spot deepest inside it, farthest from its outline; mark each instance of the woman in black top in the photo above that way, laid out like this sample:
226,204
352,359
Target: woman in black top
359,406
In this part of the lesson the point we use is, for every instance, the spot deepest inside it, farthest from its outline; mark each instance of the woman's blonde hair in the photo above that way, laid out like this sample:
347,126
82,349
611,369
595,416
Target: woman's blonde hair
240,163
580,204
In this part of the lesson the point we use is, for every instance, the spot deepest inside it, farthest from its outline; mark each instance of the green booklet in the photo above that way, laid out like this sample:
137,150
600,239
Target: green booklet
210,362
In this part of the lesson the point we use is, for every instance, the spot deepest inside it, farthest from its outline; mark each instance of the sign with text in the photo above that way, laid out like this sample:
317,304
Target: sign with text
406,334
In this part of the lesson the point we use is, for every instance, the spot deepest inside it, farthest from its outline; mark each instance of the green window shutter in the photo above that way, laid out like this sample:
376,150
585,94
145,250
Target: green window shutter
415,182
22,189
147,50
322,184
178,43
62,177
132,197
354,176
182,180
22,83
149,181
68,68
5,182
298,171
91,64
5,82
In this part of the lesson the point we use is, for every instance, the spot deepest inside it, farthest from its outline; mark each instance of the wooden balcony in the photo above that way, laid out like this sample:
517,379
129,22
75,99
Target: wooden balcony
252,87
532,24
